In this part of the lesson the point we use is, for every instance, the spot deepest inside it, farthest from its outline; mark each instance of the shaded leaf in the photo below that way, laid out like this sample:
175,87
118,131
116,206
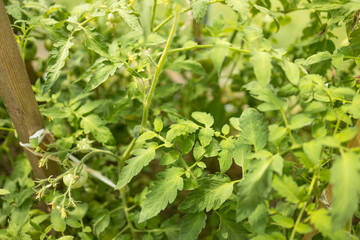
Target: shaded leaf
135,164
163,192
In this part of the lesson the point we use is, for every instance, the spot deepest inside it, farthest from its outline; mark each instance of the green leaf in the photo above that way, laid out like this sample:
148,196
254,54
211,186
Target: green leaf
199,9
277,164
319,57
191,225
66,238
347,134
90,106
300,120
193,66
262,67
258,219
56,62
185,143
169,158
204,118
303,228
354,107
96,126
283,221
102,221
268,12
225,129
229,229
145,16
322,221
198,151
292,72
95,42
266,94
56,112
102,73
276,132
240,6
211,194
226,154
346,192
205,136
313,151
218,54
182,128
130,19
288,189
158,124
163,192
253,130
143,158
254,188
57,222
241,153
4,191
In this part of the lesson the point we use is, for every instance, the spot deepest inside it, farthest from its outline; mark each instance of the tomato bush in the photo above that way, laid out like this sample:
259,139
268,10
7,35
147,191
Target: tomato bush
196,119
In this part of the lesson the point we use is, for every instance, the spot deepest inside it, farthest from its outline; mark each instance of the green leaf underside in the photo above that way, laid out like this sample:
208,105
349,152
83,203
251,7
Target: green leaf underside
162,193
262,67
56,62
182,128
211,194
240,6
253,130
102,73
94,124
254,188
199,9
135,164
192,225
344,174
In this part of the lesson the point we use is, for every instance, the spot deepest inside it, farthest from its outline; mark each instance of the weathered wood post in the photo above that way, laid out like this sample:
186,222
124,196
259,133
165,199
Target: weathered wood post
17,94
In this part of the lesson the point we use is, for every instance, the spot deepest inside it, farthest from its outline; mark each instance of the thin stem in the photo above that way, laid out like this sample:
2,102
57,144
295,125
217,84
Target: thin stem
191,48
288,127
188,168
153,15
124,204
147,101
207,46
183,11
127,152
7,129
312,184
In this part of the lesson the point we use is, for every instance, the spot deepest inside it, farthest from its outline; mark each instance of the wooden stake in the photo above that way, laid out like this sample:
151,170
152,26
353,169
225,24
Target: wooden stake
17,94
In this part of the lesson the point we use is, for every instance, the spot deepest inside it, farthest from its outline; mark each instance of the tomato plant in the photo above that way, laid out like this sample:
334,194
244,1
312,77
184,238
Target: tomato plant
194,119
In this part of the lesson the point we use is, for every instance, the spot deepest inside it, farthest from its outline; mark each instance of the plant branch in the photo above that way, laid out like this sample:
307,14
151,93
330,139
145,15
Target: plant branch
160,65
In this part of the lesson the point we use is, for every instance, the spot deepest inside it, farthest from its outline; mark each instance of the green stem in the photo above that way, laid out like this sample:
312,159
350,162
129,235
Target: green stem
191,48
127,152
124,204
7,129
160,65
183,11
312,184
188,168
207,46
153,15
288,127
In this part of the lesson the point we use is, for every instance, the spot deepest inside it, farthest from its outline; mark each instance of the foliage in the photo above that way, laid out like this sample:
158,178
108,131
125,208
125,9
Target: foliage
195,120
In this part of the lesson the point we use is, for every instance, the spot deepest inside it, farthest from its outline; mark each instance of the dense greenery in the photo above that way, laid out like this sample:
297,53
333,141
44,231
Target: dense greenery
198,119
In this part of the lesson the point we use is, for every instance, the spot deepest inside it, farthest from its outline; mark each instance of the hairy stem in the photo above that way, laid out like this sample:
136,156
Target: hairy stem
160,65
